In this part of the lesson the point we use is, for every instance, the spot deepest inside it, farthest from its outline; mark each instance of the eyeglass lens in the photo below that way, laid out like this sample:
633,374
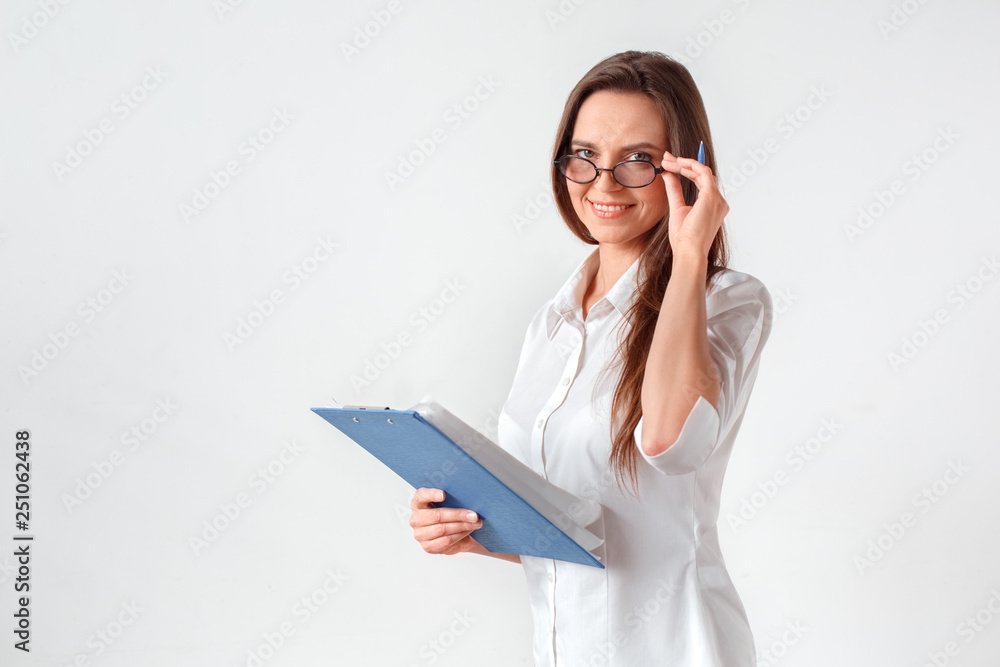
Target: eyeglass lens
631,173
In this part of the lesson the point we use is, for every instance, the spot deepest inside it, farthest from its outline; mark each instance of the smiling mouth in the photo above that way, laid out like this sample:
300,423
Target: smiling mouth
608,209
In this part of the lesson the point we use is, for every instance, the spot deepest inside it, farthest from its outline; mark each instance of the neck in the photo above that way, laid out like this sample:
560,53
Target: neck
615,260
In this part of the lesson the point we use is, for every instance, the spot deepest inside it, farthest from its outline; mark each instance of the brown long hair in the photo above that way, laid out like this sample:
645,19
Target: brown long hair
670,86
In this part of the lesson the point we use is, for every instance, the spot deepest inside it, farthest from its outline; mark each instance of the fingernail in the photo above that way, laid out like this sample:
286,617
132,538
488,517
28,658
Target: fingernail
701,152
471,516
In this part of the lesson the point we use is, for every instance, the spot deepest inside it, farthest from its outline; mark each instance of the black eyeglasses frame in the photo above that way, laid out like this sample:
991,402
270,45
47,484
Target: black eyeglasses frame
597,171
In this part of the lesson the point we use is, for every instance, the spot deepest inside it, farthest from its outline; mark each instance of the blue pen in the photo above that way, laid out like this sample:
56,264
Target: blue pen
701,152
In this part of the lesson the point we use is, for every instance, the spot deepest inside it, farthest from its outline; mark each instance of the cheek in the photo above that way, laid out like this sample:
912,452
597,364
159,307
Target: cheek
657,202
576,193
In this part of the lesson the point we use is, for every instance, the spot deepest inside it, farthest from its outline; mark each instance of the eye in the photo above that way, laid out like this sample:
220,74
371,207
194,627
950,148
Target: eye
642,157
584,152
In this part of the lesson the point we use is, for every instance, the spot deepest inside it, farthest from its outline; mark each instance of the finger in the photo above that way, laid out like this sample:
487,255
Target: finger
675,195
423,497
443,545
435,515
708,187
694,170
670,158
435,530
437,544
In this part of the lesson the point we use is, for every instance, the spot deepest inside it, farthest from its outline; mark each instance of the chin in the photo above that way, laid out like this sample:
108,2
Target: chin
606,234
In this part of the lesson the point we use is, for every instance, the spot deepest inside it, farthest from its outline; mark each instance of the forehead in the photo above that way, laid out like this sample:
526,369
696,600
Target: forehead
615,118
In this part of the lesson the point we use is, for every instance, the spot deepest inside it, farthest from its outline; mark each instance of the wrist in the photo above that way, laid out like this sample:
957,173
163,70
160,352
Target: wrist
471,546
689,261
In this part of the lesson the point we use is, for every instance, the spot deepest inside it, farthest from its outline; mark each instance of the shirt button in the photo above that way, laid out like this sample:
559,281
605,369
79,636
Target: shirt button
552,577
565,381
539,423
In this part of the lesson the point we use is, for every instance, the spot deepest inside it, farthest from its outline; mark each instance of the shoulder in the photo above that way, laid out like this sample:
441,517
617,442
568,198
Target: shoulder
729,288
544,321
739,306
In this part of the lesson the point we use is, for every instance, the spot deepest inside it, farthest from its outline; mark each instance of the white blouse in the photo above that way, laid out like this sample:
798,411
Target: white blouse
665,596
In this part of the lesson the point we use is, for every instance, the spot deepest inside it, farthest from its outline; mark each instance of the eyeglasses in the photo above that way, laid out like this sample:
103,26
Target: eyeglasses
630,173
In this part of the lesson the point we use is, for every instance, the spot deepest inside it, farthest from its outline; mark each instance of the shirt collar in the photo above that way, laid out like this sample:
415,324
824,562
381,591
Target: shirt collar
568,302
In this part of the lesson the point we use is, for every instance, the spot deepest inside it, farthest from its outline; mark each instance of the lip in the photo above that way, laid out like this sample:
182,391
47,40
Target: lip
609,214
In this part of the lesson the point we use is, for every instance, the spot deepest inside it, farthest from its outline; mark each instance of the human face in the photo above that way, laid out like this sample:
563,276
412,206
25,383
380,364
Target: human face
612,127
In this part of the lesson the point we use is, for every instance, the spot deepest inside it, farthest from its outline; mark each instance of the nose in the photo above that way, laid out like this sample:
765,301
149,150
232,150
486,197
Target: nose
605,181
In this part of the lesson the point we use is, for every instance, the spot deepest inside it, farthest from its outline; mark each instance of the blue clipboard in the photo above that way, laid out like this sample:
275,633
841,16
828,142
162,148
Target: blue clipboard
423,456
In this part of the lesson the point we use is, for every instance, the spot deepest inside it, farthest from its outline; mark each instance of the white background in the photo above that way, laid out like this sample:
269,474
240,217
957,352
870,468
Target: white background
867,95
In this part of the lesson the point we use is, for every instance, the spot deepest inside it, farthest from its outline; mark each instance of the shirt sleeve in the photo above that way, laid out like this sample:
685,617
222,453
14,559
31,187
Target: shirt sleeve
739,314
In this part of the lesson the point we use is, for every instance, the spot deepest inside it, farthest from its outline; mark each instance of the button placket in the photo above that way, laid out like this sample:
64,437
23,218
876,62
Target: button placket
557,398
574,361
551,567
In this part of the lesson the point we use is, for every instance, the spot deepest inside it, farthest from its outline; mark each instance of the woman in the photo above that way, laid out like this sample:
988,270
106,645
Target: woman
654,330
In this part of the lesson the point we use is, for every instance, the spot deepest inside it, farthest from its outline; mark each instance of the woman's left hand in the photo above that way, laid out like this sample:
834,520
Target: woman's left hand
692,228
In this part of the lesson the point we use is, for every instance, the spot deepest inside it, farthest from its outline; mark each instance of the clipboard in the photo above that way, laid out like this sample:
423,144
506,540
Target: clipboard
522,513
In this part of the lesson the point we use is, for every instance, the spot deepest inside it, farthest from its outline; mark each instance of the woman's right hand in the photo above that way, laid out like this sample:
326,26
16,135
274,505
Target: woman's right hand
442,530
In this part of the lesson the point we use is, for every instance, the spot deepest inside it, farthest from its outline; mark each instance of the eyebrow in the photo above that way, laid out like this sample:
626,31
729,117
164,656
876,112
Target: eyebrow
631,147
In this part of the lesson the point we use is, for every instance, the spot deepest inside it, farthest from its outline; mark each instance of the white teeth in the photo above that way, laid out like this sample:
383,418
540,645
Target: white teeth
607,209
